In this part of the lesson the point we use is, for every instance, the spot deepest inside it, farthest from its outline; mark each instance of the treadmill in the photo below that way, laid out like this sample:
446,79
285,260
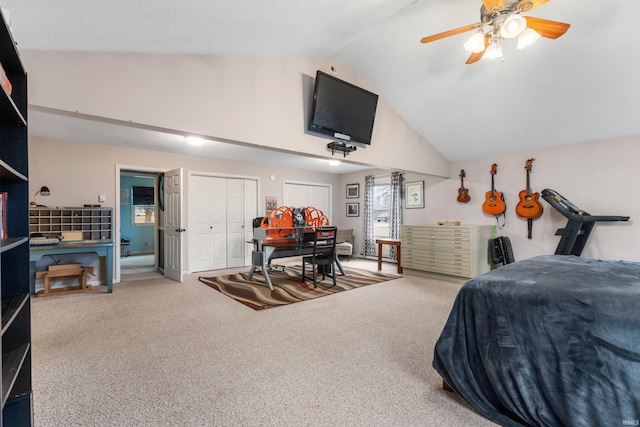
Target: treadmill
579,225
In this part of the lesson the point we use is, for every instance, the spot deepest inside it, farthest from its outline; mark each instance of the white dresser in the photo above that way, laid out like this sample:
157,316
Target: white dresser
459,251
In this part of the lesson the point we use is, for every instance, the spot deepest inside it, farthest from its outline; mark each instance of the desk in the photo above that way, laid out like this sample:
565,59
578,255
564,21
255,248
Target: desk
390,242
101,248
267,250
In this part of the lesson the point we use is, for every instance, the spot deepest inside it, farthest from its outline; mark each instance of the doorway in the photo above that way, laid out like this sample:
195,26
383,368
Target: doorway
140,213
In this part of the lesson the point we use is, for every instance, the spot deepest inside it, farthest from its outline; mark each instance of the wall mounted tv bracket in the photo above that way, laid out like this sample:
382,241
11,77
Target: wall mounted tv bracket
342,144
575,234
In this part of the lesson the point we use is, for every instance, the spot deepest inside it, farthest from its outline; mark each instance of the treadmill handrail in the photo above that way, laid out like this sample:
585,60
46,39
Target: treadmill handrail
572,212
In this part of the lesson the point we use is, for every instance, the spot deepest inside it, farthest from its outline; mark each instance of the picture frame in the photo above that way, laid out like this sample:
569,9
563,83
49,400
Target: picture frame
414,195
353,209
271,203
353,191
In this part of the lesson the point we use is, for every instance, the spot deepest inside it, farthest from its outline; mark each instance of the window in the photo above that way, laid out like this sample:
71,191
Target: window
381,209
144,209
144,215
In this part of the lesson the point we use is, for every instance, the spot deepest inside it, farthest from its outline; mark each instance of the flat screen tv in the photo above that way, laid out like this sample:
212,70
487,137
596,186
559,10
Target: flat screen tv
342,110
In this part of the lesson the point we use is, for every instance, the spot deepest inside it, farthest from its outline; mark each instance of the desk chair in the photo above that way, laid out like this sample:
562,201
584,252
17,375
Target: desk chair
324,255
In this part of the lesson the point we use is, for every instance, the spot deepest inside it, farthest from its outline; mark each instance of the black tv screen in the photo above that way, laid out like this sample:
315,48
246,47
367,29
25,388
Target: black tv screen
340,108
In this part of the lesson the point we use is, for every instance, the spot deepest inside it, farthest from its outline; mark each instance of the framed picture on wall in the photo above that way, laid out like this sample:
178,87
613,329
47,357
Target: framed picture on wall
271,203
353,191
414,194
353,209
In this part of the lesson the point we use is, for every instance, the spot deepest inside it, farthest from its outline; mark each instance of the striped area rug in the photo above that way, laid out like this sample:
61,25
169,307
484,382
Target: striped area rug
288,287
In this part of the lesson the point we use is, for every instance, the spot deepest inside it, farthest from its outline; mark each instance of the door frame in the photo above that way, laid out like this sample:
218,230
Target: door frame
116,226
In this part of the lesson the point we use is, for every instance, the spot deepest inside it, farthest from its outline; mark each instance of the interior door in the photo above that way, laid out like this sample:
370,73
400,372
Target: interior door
218,223
173,224
199,223
314,195
207,223
250,212
236,244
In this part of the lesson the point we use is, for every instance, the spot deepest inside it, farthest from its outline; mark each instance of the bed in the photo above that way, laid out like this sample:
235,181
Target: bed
549,341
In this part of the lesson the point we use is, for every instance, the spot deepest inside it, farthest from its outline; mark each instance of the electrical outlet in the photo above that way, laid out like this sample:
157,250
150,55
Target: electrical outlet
102,198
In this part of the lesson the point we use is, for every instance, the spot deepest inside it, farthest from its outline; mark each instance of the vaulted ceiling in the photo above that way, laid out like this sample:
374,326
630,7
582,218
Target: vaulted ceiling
579,87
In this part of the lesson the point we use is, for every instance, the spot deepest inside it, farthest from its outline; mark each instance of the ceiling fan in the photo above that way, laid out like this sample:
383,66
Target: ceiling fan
500,20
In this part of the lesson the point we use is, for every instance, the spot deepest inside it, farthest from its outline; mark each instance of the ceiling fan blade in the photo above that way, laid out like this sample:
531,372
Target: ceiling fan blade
450,33
477,56
528,5
494,5
547,28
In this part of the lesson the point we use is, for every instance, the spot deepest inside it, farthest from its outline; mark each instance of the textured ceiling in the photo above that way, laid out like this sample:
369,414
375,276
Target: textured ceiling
580,87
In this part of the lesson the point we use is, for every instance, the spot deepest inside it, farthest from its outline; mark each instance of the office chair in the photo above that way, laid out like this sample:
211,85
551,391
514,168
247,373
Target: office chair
324,255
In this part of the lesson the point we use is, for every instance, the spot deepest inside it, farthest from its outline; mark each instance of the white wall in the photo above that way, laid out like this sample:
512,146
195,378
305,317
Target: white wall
250,99
76,173
409,216
599,177
265,100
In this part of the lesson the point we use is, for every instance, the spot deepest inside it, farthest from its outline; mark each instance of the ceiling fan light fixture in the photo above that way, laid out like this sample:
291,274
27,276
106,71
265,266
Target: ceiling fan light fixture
475,43
527,37
513,26
493,51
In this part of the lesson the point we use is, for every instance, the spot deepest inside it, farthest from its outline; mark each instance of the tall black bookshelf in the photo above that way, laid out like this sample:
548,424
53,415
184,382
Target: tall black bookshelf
14,242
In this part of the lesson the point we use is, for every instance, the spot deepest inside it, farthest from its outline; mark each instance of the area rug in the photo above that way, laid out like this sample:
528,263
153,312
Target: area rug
288,287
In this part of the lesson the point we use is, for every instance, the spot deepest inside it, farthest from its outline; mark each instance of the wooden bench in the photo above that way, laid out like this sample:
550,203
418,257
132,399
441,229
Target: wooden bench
64,271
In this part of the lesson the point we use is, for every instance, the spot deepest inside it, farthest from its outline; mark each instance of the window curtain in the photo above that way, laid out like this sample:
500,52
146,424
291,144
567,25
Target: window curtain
369,244
395,211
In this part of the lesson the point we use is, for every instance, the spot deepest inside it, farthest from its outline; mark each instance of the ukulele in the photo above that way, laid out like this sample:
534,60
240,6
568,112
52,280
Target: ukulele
463,193
494,203
528,207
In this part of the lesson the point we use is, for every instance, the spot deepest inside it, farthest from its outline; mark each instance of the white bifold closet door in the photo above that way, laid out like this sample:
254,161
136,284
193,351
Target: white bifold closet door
304,195
221,212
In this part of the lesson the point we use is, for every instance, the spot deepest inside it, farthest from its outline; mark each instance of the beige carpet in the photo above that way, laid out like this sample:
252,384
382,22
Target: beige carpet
161,353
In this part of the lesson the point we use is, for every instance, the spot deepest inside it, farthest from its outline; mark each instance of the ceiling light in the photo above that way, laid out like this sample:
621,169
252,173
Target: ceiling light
195,141
512,26
493,51
527,37
334,162
475,43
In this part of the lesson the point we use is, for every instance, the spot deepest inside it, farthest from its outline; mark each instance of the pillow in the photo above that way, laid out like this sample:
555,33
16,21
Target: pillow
345,236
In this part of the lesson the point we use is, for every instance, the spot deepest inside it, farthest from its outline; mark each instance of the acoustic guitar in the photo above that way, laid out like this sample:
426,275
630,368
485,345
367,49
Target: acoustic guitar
528,207
494,203
463,193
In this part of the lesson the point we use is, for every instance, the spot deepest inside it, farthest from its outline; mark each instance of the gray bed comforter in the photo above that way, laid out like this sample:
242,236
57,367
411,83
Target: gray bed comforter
548,341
